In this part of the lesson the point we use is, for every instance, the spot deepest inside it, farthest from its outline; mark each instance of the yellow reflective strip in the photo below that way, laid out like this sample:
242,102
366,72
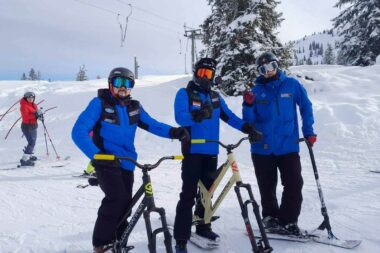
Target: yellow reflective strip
198,141
178,157
104,157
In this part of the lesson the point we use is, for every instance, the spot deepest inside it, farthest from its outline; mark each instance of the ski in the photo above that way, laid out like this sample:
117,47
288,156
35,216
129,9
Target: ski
375,171
200,241
84,175
304,237
313,236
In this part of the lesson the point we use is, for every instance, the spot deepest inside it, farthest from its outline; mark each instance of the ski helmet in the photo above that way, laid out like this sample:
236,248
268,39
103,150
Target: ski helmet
29,94
121,72
204,63
265,58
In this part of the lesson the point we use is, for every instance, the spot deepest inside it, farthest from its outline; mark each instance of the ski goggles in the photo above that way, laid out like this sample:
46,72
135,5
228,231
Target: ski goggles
203,72
265,68
119,82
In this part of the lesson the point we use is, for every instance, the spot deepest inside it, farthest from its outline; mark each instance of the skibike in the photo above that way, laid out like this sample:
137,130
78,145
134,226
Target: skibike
146,206
260,246
317,234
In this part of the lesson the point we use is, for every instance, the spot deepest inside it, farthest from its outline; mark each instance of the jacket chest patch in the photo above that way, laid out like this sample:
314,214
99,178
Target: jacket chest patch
196,103
286,95
133,113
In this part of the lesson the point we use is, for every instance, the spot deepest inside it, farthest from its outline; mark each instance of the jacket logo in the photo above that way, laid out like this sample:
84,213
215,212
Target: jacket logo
196,103
263,95
133,113
109,110
286,95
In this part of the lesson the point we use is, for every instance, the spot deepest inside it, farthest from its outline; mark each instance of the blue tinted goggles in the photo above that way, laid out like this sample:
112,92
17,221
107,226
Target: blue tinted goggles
265,68
119,82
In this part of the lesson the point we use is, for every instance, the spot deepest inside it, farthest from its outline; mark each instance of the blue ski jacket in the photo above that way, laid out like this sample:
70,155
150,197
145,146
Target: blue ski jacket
208,128
118,139
274,113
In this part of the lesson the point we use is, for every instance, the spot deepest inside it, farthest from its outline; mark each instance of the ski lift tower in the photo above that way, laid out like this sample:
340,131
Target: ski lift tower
193,34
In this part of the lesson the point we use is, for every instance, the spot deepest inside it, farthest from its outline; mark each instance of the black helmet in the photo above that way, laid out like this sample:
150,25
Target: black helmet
29,94
266,57
207,63
121,72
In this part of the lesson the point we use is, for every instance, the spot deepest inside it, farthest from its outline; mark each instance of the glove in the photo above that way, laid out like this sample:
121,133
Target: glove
204,113
311,139
39,114
93,181
253,134
179,133
106,163
249,97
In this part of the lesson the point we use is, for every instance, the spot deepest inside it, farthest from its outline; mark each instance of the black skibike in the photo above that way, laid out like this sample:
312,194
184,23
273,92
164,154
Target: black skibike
145,207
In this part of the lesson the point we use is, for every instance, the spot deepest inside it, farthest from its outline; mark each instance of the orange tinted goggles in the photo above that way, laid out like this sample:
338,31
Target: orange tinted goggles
203,72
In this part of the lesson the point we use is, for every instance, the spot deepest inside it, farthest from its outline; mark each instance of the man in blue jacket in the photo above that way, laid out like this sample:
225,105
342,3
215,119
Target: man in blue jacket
200,109
272,107
114,117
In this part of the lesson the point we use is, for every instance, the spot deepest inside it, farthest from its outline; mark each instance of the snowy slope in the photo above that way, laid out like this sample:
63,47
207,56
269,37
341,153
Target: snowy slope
302,50
43,211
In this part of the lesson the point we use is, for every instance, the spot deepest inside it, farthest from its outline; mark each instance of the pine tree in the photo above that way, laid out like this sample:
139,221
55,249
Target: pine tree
32,74
236,33
359,27
329,57
81,76
23,77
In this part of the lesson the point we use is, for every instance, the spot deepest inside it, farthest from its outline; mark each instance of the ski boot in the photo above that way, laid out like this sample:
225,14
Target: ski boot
271,224
291,229
25,160
33,158
180,247
205,231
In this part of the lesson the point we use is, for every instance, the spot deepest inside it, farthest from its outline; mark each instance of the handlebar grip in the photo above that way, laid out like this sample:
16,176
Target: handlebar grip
178,157
198,141
104,157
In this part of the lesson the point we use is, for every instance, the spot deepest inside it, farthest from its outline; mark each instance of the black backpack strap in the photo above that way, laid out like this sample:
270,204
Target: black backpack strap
215,99
133,110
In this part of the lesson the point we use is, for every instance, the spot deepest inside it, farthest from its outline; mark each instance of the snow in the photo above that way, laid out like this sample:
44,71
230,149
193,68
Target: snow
41,209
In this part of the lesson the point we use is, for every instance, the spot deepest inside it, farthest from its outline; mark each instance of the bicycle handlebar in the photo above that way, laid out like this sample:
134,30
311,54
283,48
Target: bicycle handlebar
107,157
226,146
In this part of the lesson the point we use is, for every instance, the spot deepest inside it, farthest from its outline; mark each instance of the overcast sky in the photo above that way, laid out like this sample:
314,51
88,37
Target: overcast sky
56,37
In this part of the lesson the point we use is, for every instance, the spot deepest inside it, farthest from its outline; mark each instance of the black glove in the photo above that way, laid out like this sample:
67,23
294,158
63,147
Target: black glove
179,133
106,163
39,115
204,113
253,134
93,181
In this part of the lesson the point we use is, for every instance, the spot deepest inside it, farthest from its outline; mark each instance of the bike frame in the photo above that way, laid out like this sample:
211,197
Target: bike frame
235,179
146,207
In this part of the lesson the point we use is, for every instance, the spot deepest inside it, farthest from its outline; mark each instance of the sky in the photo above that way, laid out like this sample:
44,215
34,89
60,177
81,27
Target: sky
57,37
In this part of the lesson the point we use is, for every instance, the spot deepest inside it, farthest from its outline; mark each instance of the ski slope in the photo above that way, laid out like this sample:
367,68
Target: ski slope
42,211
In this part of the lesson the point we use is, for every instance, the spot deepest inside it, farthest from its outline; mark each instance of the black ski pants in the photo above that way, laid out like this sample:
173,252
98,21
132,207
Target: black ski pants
289,165
30,133
117,184
195,167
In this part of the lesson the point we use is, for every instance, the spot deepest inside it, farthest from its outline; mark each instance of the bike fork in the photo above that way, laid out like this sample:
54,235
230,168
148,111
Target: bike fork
152,234
262,246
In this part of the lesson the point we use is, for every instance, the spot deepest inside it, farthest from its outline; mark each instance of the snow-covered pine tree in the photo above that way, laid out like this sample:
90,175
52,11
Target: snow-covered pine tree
329,57
359,26
81,76
236,33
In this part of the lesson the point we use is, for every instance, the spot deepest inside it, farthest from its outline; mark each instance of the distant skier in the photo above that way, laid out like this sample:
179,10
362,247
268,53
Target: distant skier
114,118
200,109
29,113
271,106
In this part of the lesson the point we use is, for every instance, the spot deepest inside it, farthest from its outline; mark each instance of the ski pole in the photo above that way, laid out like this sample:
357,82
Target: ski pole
326,220
10,108
51,142
46,145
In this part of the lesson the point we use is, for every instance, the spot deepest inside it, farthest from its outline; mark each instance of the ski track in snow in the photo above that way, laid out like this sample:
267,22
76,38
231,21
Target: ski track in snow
41,210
